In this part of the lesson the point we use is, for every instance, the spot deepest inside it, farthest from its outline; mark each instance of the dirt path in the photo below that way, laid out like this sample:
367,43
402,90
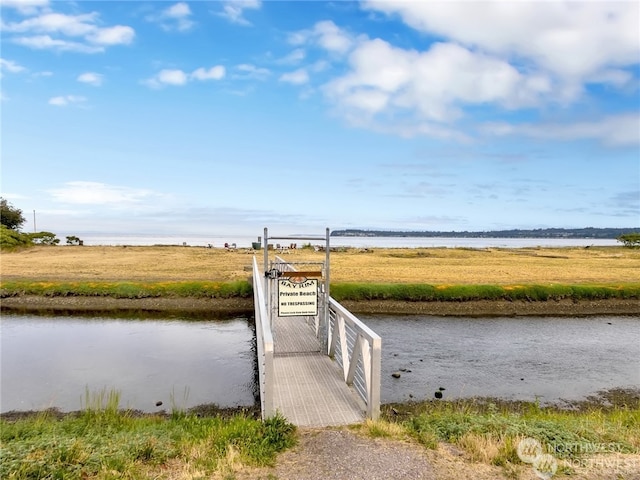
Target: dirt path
342,454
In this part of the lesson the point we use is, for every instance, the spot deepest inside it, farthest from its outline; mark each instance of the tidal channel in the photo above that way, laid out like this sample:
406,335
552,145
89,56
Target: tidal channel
162,364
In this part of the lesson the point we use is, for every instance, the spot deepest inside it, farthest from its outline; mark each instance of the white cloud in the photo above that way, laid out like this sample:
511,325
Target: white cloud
176,77
327,35
233,10
172,77
95,193
213,73
293,58
65,100
51,30
331,37
91,78
614,130
26,7
495,55
573,40
118,35
615,77
10,66
298,77
175,17
179,10
247,71
431,85
45,42
70,25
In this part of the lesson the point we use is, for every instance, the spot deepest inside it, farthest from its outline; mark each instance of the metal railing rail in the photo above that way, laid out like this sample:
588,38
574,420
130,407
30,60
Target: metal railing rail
264,341
358,350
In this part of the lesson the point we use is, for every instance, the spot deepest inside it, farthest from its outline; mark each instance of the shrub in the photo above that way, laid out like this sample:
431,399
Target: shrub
10,238
630,240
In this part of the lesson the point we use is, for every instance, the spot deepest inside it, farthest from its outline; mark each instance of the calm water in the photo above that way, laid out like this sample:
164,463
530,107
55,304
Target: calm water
512,358
245,241
51,361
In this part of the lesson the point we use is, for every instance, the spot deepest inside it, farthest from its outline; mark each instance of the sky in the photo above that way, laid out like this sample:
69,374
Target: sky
201,117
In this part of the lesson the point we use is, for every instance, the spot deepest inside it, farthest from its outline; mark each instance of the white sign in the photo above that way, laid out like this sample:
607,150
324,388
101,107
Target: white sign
297,297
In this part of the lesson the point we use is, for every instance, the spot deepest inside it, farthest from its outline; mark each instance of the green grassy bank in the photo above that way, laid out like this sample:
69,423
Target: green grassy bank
490,431
105,443
341,292
101,442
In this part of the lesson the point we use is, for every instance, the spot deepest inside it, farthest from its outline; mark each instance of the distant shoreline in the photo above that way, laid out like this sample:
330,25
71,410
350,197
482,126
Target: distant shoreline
543,233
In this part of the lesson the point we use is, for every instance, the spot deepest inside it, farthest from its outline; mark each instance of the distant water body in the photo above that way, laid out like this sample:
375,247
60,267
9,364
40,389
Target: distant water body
218,241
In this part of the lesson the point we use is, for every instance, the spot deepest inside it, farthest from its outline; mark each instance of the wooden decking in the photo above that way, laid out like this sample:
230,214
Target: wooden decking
309,388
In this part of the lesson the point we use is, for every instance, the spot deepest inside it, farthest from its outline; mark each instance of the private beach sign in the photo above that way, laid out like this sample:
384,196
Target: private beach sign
297,296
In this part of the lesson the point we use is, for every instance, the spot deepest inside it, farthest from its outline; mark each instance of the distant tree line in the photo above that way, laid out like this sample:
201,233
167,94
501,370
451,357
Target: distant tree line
11,221
589,232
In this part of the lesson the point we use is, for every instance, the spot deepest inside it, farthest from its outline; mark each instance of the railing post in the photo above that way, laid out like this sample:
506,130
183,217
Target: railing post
327,292
373,405
269,379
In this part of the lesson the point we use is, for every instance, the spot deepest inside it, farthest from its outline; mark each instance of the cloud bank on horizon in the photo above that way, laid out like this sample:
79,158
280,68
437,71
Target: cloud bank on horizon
208,117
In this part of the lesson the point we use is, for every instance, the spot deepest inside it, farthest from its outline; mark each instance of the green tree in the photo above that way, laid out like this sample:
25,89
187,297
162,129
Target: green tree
44,238
10,216
73,240
631,240
10,238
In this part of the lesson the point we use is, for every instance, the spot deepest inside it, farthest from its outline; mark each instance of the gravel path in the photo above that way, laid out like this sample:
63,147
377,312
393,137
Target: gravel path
340,454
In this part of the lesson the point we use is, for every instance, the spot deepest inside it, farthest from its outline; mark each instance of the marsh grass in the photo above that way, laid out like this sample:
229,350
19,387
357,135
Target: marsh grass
490,433
101,442
461,293
340,291
237,289
102,402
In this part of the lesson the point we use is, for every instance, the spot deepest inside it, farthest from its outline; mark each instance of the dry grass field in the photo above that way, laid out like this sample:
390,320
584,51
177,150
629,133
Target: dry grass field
435,266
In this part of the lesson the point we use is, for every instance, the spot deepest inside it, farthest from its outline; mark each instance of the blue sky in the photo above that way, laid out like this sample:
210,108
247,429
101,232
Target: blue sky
226,117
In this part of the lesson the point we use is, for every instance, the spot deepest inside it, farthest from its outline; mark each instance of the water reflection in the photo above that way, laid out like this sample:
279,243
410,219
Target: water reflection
524,358
50,362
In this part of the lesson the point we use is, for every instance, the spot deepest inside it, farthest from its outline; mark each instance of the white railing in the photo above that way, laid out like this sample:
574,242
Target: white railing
264,341
354,346
357,349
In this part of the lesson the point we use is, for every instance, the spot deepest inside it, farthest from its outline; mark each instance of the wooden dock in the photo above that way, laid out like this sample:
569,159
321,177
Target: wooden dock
309,388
